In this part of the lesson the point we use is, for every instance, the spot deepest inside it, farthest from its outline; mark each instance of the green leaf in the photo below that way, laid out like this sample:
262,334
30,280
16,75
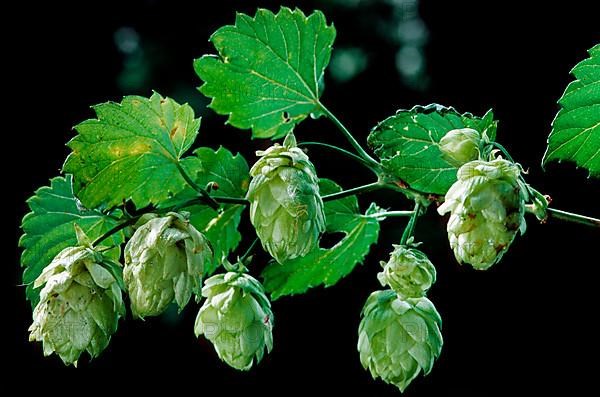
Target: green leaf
231,173
326,266
407,144
268,75
575,134
49,228
221,229
131,151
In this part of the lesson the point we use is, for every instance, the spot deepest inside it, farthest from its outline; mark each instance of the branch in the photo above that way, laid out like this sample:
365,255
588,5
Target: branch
115,230
571,217
230,200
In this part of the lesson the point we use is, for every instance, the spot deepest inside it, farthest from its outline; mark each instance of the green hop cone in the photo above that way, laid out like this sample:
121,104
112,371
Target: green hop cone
164,262
399,338
487,207
80,304
461,145
236,317
408,272
285,206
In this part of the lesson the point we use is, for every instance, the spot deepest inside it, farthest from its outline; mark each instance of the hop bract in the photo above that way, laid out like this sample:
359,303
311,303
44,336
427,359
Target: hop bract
461,145
164,262
397,339
408,272
80,305
487,207
285,206
236,317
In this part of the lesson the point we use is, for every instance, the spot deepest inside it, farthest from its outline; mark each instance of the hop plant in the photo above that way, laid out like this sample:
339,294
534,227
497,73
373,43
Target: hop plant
80,304
285,206
487,207
164,262
408,272
459,146
236,317
268,75
398,338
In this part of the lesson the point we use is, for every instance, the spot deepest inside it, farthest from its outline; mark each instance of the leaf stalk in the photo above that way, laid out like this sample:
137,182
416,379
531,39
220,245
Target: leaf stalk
359,149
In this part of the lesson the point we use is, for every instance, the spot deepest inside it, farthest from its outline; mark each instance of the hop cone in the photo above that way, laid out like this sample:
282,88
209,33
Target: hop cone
285,207
236,317
460,146
164,261
80,305
487,206
397,339
408,272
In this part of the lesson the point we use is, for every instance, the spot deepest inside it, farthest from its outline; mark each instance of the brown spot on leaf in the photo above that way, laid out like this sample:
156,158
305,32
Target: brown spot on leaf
178,129
245,184
500,247
401,184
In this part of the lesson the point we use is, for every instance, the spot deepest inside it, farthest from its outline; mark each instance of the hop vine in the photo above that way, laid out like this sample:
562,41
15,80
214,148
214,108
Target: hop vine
136,214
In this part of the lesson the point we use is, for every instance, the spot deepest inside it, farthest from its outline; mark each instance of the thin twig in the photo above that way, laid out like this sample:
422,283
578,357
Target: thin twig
390,214
410,227
115,230
203,193
359,149
342,151
571,217
230,200
351,192
249,250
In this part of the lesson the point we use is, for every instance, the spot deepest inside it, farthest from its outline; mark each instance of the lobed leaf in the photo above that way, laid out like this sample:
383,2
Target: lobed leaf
132,151
268,74
575,134
407,144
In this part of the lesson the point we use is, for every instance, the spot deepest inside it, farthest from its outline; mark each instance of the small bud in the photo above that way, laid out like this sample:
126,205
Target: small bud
460,146
212,186
164,262
408,272
236,317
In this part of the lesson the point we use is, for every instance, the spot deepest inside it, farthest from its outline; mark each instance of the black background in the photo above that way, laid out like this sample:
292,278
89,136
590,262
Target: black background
527,322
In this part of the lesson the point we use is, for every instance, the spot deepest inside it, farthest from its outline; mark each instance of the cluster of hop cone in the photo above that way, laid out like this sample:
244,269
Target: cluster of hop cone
81,298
